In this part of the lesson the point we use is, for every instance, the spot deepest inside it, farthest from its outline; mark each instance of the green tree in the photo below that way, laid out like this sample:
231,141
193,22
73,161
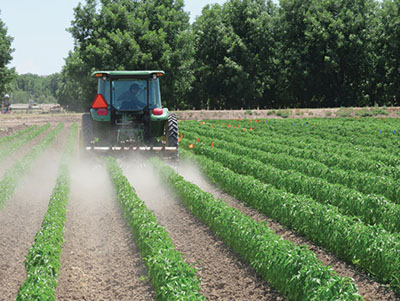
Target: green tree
128,35
388,47
6,74
327,51
42,89
234,55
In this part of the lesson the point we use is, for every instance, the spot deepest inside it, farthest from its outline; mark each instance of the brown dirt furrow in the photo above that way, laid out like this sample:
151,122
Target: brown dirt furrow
368,288
100,260
22,216
224,276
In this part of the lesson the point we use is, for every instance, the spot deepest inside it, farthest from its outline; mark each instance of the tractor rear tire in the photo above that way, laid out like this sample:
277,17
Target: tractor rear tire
87,130
173,133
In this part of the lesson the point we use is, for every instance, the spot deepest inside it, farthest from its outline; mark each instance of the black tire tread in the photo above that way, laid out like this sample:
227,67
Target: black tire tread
172,130
87,129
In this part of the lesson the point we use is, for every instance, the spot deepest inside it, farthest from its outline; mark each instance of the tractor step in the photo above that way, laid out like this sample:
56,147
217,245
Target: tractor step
133,148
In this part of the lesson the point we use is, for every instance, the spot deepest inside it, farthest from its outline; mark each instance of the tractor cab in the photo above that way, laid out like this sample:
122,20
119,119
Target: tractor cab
127,112
126,91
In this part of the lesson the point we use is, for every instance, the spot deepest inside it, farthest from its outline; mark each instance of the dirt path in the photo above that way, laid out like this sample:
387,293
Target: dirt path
368,288
22,216
223,275
99,260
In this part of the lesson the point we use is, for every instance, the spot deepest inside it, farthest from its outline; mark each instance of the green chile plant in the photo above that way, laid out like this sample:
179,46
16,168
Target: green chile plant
304,132
365,175
173,279
330,153
17,144
293,270
356,132
43,259
312,180
370,247
15,173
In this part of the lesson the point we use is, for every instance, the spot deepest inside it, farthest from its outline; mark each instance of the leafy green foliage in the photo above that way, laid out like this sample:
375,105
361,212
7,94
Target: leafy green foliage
42,89
234,48
371,208
327,49
43,259
6,74
368,246
173,279
14,174
388,62
293,270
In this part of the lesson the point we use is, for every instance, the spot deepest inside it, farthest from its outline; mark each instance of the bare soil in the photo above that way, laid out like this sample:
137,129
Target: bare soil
100,260
22,216
368,287
224,276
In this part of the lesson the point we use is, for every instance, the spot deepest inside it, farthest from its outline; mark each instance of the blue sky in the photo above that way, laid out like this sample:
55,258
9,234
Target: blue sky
39,30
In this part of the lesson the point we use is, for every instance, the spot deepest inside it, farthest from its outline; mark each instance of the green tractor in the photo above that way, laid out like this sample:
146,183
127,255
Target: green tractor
126,114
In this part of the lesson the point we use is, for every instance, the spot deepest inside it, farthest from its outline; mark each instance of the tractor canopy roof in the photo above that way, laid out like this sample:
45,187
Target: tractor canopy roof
128,74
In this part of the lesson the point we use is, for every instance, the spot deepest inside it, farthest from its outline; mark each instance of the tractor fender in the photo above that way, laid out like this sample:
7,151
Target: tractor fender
162,117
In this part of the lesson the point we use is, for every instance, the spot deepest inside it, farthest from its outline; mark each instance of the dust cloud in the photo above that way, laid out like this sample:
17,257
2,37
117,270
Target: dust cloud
41,179
89,179
147,184
192,173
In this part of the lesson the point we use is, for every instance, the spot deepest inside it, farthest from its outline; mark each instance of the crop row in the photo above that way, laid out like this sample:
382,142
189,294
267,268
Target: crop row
15,173
173,279
43,259
356,132
5,139
293,270
18,143
369,246
383,176
315,149
300,132
280,170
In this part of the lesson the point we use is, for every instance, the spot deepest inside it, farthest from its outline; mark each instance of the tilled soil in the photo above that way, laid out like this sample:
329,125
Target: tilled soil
22,216
368,288
100,260
224,276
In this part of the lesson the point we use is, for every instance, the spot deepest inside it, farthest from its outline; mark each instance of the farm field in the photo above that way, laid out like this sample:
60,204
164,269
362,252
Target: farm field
255,209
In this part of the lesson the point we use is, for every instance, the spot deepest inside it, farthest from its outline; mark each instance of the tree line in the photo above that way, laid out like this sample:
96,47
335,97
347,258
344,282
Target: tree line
242,54
41,89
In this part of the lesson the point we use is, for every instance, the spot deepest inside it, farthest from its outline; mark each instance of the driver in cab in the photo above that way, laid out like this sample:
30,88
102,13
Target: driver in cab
129,99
